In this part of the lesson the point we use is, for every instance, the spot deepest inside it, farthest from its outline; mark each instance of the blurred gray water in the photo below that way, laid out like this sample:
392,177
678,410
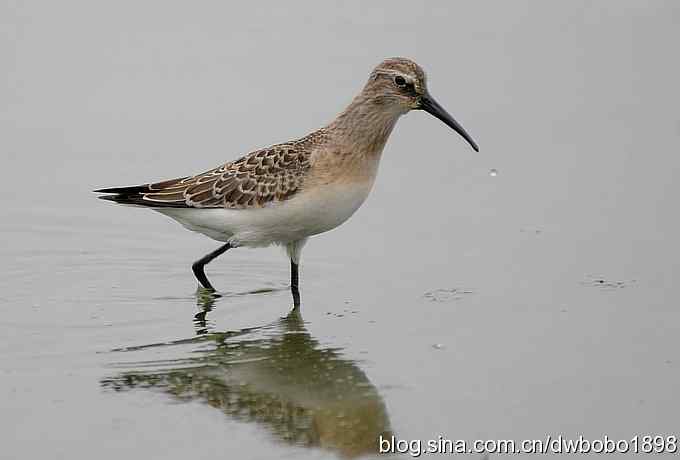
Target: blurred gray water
539,301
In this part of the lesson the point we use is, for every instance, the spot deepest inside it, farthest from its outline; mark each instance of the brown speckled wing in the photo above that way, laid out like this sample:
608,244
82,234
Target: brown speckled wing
273,174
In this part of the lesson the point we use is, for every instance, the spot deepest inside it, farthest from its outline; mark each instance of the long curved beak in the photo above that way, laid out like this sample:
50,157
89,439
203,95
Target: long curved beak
428,104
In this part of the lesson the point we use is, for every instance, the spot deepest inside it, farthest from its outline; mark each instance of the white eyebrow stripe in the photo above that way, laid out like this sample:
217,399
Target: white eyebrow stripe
409,78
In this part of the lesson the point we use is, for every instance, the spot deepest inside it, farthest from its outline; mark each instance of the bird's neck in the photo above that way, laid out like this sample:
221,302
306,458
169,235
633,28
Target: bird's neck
364,126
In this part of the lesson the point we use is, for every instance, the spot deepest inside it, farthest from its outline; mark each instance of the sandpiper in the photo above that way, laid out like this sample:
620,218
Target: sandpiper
288,192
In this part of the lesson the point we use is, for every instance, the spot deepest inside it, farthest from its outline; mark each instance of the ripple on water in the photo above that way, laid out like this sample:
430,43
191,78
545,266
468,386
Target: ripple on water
606,284
446,294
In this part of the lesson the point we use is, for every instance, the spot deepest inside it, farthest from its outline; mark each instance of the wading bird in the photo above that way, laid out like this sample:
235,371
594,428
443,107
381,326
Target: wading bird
288,192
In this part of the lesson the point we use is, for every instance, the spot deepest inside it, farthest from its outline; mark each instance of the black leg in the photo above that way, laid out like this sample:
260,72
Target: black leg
294,284
197,267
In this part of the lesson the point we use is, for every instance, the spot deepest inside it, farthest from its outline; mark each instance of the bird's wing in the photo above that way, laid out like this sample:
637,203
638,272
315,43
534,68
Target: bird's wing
268,175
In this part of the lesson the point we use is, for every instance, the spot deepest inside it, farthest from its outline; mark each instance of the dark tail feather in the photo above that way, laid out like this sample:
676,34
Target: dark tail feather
134,195
125,195
127,199
135,189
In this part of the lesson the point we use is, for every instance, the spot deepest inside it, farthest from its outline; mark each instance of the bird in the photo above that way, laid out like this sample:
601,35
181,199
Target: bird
289,192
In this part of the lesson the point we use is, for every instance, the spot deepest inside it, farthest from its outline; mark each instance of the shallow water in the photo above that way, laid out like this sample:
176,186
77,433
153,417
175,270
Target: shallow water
536,301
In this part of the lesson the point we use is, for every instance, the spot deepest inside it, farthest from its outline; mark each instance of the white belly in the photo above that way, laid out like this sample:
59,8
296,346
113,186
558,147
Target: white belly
309,213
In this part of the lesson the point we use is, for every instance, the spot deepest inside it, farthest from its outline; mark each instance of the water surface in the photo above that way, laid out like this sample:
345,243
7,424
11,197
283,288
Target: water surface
537,301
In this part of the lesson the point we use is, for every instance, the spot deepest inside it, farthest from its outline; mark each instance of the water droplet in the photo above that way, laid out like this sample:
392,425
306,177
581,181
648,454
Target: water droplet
493,172
438,346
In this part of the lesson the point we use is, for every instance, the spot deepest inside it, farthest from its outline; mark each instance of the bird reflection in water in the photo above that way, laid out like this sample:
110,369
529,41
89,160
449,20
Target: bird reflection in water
277,376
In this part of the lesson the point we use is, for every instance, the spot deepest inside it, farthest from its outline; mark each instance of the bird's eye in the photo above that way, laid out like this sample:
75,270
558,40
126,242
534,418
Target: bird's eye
400,81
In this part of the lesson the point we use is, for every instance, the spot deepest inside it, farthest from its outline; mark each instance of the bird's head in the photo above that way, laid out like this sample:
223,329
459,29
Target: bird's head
400,84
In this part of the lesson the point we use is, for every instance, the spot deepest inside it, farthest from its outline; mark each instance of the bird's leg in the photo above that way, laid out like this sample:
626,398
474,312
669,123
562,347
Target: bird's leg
293,249
294,284
197,266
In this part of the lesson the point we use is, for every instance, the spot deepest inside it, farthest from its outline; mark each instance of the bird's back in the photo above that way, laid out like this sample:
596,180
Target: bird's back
259,178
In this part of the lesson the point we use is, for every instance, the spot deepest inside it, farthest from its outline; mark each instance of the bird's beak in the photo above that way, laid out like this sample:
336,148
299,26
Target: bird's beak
428,104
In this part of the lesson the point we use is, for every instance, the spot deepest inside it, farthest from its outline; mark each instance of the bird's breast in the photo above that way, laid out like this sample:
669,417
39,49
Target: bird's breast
336,187
327,206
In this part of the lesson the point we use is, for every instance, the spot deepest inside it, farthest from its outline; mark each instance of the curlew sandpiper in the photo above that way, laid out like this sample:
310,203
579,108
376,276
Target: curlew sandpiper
288,192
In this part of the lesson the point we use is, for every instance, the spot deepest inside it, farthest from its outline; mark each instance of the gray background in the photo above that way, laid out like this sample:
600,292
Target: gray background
565,317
